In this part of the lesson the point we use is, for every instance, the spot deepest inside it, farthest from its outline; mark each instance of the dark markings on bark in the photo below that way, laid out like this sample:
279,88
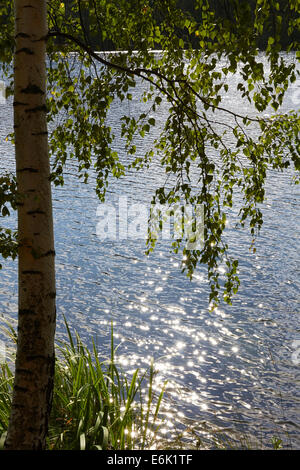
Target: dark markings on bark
37,109
31,170
26,50
37,211
48,253
20,389
22,35
39,133
19,103
34,273
26,311
32,89
52,295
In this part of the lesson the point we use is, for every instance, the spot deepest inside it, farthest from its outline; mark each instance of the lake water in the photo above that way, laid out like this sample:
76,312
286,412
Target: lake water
233,369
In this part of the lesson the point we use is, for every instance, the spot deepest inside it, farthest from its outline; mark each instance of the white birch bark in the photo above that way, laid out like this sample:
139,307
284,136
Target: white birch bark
36,324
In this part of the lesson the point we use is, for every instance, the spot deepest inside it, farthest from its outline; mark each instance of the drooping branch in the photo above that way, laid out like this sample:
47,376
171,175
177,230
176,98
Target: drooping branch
145,74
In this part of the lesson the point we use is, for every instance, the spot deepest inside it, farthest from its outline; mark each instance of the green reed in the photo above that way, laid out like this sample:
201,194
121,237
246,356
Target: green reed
95,404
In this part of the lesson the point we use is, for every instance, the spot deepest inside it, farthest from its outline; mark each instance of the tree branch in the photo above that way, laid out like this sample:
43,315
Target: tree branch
139,71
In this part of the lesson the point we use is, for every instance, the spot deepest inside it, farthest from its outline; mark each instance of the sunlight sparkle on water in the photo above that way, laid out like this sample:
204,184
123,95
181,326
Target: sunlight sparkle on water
221,269
144,327
154,317
158,289
213,341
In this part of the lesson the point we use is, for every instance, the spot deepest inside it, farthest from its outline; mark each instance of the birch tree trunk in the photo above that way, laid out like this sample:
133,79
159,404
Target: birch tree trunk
36,324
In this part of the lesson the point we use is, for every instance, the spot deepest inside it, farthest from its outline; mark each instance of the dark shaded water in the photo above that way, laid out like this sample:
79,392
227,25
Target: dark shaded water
232,368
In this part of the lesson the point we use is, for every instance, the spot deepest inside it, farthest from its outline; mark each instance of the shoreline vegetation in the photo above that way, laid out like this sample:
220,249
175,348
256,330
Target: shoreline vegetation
224,11
97,407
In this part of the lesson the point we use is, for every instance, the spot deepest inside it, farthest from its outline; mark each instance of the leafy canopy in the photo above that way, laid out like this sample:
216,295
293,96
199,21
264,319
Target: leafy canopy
213,156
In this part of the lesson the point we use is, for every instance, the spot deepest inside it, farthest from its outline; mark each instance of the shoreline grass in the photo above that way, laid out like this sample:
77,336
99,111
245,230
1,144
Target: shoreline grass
95,405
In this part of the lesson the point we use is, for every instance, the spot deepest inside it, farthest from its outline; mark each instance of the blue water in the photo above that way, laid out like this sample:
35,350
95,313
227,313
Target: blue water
231,369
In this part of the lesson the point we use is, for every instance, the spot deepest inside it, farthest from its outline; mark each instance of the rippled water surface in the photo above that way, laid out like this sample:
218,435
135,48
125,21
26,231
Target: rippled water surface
232,368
